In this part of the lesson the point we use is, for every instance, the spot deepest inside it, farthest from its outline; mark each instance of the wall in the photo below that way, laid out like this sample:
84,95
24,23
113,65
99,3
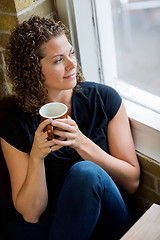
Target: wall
13,12
149,189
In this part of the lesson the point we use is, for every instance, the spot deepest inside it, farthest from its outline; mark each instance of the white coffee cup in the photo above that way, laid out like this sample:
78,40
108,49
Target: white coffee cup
54,110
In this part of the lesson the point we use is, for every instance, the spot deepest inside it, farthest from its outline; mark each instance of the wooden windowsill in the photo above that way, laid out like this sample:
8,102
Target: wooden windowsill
147,227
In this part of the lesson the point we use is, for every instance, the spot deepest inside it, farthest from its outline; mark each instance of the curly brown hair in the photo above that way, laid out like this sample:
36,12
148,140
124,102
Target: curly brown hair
23,55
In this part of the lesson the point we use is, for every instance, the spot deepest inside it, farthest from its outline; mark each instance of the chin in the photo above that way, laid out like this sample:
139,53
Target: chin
72,84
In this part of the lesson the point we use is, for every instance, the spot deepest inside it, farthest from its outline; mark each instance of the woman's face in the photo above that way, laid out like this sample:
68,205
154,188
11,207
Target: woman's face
59,64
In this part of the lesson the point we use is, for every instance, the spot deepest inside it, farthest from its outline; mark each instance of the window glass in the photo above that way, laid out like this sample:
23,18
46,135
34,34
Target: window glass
136,26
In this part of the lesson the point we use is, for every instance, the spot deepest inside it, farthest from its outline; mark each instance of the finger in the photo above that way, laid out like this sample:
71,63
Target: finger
64,134
63,143
41,138
63,126
44,136
45,144
67,120
43,124
61,138
55,147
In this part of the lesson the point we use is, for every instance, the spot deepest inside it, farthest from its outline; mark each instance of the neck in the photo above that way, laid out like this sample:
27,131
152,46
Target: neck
64,96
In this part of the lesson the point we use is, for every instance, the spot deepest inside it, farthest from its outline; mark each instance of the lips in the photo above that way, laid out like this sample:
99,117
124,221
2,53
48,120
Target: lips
73,75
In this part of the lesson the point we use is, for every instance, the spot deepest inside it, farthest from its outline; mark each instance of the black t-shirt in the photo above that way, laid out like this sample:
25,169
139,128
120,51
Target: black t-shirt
93,106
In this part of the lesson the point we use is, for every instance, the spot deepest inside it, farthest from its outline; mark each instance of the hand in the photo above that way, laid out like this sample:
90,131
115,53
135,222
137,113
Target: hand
67,129
41,146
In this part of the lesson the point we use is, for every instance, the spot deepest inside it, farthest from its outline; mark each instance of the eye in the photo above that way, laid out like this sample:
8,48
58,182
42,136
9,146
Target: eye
72,53
59,60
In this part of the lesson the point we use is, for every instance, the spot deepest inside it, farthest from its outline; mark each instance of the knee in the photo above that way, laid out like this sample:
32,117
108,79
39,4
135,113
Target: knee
87,179
85,173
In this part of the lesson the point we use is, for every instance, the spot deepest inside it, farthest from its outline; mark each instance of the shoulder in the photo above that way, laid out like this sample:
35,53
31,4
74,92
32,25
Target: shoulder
15,114
91,85
94,85
18,127
102,95
98,88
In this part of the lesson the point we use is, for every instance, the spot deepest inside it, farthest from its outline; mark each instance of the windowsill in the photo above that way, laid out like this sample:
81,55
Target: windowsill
145,126
144,118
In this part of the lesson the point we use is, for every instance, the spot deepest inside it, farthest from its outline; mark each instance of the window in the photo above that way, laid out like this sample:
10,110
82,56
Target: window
135,30
137,37
117,44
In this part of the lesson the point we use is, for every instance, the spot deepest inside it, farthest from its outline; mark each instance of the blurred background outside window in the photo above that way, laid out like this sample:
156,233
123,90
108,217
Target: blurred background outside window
136,30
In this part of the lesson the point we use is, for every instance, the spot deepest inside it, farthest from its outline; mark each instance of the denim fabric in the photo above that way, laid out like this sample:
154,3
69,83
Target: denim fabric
89,207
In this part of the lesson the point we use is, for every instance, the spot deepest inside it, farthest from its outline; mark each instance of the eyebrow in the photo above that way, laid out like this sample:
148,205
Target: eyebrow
61,55
58,55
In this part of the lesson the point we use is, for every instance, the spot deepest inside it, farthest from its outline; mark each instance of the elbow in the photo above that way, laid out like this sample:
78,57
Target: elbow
28,216
133,187
32,216
134,181
31,219
32,213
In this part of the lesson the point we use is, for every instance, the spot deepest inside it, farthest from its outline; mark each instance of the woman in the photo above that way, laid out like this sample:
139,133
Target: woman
65,188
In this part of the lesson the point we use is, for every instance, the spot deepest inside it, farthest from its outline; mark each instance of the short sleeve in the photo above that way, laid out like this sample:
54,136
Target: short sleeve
111,99
14,131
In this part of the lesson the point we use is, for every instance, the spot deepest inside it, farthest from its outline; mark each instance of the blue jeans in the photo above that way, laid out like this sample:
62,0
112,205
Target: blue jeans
90,206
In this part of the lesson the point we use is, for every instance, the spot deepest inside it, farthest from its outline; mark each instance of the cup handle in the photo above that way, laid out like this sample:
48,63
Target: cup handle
49,129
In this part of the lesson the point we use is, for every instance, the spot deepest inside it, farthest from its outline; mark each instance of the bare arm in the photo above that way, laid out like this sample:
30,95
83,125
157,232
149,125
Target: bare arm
27,174
121,164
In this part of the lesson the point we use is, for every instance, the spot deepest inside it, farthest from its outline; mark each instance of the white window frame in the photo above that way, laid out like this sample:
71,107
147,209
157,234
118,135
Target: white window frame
78,16
68,12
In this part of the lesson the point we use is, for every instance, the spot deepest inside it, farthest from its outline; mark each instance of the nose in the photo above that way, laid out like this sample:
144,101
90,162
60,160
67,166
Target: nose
71,63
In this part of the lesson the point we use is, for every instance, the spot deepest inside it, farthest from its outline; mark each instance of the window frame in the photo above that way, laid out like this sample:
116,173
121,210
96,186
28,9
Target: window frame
79,17
68,13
